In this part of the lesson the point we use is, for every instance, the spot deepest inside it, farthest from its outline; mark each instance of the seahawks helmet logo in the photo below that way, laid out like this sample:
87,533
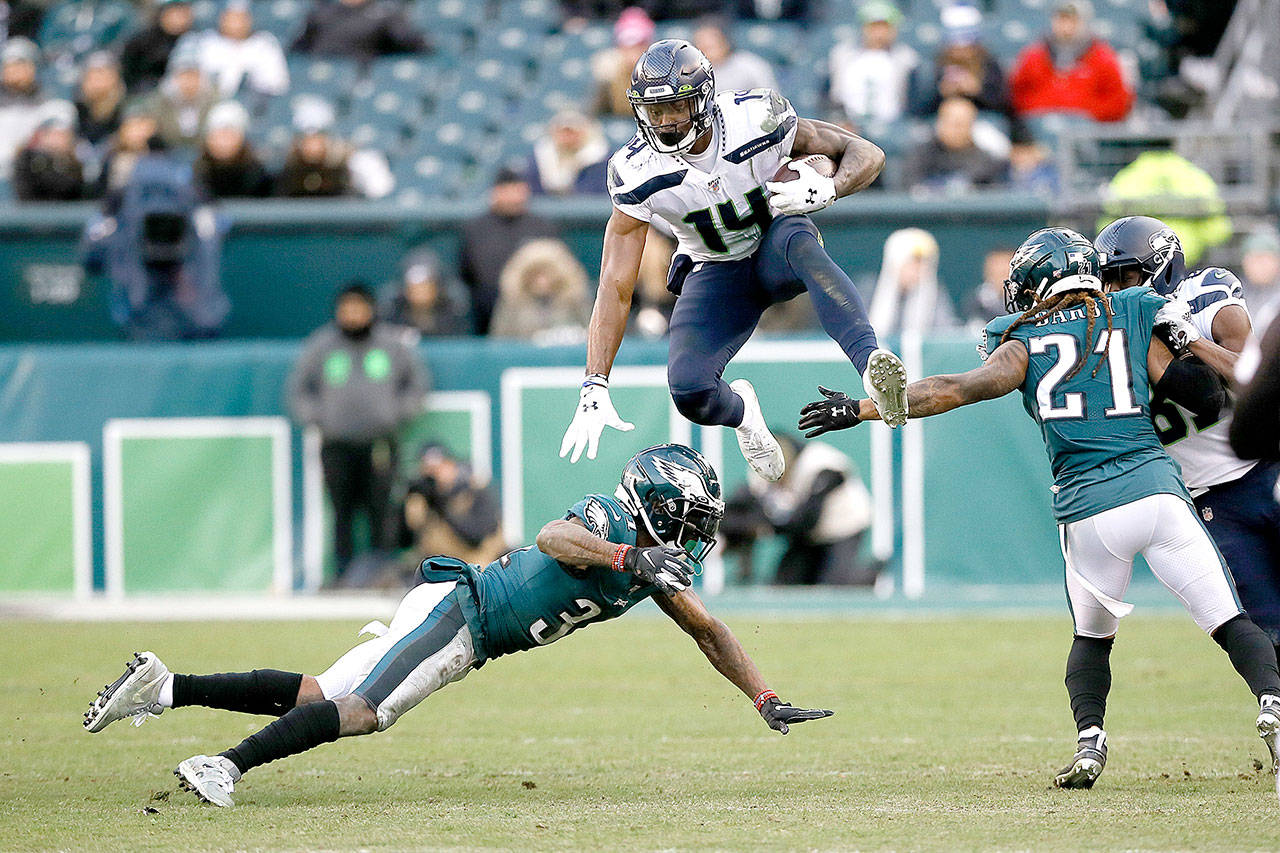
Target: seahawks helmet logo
690,483
1164,243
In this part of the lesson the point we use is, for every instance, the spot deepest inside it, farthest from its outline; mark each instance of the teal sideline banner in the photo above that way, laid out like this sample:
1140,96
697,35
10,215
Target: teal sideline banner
986,511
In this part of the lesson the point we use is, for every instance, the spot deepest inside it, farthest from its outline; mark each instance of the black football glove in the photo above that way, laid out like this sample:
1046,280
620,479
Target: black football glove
666,568
838,411
778,714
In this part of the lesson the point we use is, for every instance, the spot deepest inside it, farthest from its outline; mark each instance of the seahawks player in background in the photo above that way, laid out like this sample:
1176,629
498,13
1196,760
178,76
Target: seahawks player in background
703,164
606,555
1235,497
1084,362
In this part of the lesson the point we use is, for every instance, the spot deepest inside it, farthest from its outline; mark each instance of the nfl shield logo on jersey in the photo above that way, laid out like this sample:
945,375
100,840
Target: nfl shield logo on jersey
1207,513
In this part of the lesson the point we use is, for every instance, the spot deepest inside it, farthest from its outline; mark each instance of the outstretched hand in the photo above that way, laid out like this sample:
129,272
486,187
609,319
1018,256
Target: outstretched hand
779,715
838,411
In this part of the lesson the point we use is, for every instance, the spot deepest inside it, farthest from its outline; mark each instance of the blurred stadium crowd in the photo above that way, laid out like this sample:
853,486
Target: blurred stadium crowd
444,99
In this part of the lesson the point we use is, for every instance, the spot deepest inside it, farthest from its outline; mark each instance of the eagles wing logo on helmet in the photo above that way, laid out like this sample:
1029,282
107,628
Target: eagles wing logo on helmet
690,483
1024,251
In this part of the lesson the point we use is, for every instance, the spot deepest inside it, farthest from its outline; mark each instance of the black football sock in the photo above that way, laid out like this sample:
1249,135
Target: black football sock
304,727
1251,654
263,691
1089,679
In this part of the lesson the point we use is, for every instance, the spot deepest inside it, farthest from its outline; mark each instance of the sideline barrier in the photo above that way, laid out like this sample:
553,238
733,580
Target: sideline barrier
45,518
983,504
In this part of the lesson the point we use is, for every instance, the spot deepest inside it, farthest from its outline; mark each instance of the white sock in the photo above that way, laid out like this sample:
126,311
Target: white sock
166,692
1089,732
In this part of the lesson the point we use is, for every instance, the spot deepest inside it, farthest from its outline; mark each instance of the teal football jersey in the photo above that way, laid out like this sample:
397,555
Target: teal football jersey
1097,429
526,599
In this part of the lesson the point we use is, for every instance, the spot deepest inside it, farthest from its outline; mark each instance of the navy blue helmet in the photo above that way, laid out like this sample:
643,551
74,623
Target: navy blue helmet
672,91
1144,243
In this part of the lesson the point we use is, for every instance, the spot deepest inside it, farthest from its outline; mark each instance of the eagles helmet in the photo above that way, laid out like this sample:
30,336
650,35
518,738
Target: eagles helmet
675,493
1144,243
672,94
1049,262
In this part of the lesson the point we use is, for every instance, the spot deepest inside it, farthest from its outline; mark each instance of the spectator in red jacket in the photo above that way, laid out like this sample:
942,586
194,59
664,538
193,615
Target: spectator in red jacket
1071,70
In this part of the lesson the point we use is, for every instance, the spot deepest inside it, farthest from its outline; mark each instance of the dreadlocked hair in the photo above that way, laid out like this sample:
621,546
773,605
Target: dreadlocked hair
1061,302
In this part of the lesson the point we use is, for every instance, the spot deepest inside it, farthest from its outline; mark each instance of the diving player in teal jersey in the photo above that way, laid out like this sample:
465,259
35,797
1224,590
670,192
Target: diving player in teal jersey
1085,363
606,555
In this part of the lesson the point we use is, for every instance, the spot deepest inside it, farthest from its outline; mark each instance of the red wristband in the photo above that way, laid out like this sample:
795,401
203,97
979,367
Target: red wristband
619,558
764,696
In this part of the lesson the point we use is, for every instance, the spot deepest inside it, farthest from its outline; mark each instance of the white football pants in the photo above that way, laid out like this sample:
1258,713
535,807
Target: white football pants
1099,552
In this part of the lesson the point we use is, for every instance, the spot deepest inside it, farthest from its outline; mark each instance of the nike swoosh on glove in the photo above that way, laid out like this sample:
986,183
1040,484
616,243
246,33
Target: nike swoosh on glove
666,568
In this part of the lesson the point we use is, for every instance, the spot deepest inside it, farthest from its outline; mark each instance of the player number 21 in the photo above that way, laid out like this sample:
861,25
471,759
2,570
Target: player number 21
1113,343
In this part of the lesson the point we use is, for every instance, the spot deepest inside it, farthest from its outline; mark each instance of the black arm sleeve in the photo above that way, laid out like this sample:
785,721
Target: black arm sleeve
1255,430
1194,386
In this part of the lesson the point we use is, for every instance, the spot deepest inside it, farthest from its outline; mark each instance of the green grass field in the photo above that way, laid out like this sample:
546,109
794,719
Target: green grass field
946,735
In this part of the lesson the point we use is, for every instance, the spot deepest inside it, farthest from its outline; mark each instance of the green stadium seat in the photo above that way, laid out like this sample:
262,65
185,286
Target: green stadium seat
79,27
282,18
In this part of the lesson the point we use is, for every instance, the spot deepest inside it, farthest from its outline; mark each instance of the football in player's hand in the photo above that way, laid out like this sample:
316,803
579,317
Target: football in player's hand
820,163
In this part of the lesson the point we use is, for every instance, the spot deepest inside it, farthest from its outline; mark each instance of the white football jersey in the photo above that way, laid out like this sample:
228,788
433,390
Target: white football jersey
1202,448
716,206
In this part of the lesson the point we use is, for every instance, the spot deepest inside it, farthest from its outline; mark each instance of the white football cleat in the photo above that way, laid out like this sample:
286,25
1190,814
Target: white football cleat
211,778
757,444
1269,731
886,382
135,694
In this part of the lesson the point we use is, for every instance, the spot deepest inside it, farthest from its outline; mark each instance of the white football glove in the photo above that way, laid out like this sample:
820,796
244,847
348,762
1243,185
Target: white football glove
1174,321
805,194
595,412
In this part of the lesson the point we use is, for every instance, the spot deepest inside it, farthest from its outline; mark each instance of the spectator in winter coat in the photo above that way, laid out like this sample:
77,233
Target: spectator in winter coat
235,58
21,101
227,166
964,68
736,70
544,295
571,159
130,142
323,165
100,104
489,241
632,33
426,300
145,57
951,161
359,29
47,168
869,80
1071,70
183,102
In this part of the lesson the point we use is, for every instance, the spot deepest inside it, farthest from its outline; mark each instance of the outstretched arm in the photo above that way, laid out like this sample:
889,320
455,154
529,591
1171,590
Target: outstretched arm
1003,371
858,162
569,541
619,266
726,654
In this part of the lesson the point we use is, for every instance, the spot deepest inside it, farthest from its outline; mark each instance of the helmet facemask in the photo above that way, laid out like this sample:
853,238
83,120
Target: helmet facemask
673,125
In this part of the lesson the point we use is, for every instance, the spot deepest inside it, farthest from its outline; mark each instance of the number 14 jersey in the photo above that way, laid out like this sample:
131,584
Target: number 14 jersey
1097,428
716,204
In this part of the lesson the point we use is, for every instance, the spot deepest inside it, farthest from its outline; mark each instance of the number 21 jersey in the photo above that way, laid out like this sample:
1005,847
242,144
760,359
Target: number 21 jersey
716,204
1096,425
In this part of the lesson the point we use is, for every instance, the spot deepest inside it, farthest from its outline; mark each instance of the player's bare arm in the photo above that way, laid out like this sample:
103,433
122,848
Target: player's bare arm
624,238
726,654
568,541
858,161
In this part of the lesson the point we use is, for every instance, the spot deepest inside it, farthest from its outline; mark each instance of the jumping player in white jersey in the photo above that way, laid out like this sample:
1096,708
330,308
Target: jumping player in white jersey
1234,496
703,163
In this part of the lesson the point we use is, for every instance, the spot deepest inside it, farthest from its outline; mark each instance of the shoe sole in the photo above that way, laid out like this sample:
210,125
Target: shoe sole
1269,731
102,703
743,388
186,784
1082,774
888,378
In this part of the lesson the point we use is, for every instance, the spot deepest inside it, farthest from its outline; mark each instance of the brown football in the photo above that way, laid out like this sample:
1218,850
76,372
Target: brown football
821,163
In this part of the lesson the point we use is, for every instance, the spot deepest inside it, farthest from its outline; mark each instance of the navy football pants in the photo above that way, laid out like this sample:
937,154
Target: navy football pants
1244,520
721,304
